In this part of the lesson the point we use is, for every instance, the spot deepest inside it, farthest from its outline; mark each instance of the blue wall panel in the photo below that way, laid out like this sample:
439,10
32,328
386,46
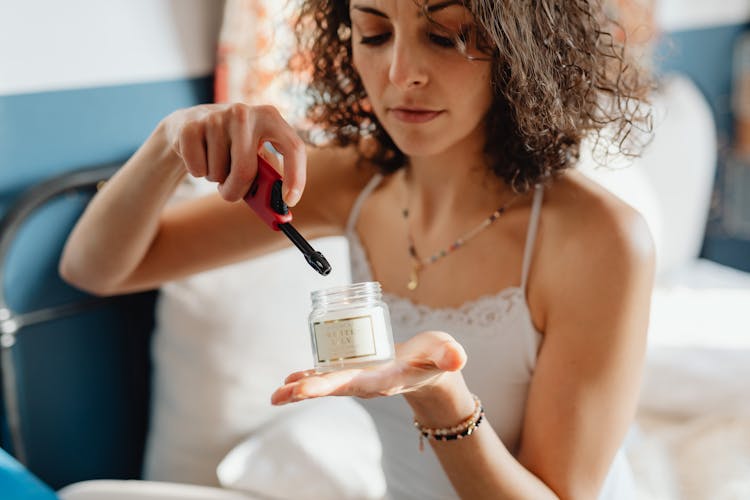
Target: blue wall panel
46,133
706,56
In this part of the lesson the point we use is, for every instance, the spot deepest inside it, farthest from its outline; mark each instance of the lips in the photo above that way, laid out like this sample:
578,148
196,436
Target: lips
414,115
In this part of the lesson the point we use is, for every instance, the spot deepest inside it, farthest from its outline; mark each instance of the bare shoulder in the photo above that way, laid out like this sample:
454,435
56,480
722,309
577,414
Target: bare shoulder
586,216
593,242
335,177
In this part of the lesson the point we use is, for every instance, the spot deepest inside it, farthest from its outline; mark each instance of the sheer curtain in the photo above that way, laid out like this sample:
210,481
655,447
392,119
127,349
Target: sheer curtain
256,41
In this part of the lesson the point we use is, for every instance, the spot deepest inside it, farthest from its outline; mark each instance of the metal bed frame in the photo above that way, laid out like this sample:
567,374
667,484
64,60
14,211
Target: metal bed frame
12,324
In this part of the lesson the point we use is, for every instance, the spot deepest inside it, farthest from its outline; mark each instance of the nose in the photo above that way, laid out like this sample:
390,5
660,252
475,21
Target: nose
408,68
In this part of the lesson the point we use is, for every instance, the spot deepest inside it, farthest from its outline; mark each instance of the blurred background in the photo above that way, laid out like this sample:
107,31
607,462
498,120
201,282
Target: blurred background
90,387
709,43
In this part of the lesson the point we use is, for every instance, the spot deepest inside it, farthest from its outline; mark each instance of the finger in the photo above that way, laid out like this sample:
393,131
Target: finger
449,357
271,158
433,348
299,375
217,149
294,170
282,395
360,382
281,135
313,387
243,155
192,148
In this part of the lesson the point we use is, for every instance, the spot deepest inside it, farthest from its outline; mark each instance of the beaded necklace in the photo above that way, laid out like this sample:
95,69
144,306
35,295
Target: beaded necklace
419,263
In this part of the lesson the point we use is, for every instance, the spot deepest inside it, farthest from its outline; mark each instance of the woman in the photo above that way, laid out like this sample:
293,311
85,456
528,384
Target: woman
452,129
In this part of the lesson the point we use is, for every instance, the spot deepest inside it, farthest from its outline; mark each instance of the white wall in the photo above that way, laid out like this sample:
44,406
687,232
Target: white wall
60,44
678,15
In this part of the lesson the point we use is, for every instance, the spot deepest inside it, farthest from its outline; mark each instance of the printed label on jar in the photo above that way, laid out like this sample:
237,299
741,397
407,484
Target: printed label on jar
344,338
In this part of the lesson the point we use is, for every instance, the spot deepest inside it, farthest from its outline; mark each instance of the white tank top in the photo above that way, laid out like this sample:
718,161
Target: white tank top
501,344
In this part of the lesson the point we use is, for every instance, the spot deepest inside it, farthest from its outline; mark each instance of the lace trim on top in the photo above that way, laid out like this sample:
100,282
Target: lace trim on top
481,316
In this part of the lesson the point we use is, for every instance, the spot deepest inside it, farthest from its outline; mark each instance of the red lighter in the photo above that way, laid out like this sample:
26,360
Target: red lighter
264,197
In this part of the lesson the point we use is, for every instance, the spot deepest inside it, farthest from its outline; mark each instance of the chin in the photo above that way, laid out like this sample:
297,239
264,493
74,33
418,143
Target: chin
419,144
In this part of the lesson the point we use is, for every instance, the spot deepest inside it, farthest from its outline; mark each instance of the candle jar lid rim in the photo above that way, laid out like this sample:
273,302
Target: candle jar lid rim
354,293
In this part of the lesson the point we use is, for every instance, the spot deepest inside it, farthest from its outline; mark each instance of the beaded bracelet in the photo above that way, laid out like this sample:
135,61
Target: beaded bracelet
460,431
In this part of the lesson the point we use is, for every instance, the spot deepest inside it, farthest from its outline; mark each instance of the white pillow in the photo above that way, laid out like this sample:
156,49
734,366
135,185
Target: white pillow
628,181
310,455
680,164
224,340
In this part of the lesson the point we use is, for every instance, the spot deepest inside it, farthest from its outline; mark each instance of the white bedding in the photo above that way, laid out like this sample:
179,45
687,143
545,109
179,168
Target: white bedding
692,439
698,360
698,458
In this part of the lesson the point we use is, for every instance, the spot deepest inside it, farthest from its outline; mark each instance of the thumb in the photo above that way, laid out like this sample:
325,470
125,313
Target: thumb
449,356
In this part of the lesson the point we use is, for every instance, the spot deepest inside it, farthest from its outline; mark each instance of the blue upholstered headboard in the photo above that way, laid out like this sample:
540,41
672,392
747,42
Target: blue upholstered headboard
82,91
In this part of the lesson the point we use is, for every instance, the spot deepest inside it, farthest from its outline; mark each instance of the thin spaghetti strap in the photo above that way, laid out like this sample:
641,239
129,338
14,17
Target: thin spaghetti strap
528,250
354,214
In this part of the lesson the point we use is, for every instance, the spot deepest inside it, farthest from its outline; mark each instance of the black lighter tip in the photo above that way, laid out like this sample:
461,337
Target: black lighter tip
319,263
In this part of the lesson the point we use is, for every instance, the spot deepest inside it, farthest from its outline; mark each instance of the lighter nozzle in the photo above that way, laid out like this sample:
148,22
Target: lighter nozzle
319,263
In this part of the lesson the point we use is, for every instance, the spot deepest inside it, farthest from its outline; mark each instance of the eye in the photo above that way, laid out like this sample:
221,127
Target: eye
442,41
459,39
375,39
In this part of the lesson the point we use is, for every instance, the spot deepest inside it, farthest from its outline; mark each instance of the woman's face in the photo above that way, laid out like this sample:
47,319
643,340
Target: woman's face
427,94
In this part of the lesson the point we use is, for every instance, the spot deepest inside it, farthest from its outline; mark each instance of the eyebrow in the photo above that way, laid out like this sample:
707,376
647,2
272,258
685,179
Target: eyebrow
441,5
369,10
430,8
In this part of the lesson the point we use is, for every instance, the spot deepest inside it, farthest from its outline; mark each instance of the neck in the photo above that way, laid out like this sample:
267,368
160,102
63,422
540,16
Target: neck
456,183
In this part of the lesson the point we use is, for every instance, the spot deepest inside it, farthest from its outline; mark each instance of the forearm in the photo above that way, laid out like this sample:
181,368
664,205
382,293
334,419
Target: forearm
479,466
119,225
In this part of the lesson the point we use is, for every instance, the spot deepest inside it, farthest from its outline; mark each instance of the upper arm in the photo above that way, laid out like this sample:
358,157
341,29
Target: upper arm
585,386
209,232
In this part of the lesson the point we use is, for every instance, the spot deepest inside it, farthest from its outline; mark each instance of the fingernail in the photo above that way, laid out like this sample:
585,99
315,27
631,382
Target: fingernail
279,402
292,196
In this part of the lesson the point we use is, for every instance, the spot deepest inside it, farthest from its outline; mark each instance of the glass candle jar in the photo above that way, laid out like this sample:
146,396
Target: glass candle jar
350,327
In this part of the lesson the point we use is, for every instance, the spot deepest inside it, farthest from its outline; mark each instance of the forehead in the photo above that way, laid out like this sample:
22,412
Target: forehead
408,7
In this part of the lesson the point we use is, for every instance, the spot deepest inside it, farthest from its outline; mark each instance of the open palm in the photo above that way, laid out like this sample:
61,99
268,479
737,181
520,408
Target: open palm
419,362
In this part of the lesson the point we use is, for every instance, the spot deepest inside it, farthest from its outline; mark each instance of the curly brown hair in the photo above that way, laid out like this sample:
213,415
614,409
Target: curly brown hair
558,78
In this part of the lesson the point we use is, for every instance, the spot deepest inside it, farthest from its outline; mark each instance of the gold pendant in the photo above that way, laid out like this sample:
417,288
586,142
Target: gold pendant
414,281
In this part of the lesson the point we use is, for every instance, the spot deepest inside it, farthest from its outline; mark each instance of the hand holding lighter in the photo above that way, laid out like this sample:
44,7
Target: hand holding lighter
265,198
